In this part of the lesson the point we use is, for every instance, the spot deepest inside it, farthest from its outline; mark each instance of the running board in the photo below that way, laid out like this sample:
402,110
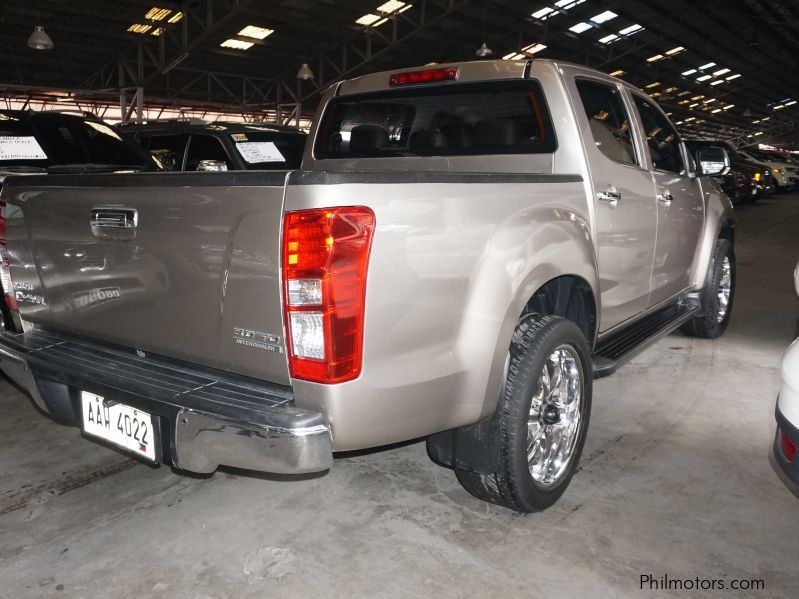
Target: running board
620,347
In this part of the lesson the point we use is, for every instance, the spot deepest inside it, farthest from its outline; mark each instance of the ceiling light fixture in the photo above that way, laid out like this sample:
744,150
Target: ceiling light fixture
484,51
39,40
305,73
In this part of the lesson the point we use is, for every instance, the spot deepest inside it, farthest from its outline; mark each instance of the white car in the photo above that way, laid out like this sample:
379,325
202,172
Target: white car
786,443
785,173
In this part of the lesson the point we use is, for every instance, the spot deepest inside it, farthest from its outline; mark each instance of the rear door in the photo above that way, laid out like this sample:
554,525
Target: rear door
624,195
180,265
680,203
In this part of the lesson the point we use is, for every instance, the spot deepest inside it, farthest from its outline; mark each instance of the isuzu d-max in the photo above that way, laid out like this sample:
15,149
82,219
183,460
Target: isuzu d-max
464,249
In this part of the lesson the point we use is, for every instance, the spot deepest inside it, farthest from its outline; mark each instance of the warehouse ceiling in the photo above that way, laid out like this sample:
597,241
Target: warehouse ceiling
721,67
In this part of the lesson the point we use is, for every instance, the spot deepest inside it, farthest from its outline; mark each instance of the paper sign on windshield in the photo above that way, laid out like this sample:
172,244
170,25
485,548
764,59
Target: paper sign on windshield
260,151
20,148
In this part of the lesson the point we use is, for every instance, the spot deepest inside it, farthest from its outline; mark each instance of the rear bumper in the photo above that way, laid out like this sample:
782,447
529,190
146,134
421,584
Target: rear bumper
206,418
791,468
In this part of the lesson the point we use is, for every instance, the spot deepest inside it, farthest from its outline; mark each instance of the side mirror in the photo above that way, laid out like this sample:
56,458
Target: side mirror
212,165
713,160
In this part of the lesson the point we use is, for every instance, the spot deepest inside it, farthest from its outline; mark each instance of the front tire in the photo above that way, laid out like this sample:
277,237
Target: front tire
717,295
544,411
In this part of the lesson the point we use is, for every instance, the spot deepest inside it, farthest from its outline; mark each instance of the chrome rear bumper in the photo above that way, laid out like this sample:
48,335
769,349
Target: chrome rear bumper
207,418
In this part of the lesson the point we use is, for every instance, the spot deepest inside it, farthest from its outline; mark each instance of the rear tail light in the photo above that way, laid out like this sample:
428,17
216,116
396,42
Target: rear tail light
5,263
788,447
325,259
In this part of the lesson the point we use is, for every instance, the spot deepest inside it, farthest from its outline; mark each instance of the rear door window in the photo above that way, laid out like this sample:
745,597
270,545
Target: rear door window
166,149
504,117
206,147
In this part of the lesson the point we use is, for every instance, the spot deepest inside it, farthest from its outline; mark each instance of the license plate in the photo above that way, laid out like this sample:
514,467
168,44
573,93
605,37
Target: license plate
122,425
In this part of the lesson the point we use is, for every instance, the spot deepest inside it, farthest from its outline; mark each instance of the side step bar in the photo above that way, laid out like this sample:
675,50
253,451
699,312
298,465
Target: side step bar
620,347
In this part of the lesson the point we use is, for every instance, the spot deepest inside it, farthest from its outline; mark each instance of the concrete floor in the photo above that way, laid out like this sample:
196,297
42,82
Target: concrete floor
676,479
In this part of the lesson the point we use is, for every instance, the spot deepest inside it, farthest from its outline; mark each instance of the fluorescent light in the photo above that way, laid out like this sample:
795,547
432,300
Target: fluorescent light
791,103
688,72
608,38
603,17
655,58
540,14
668,90
513,56
567,4
258,33
694,105
709,101
727,107
721,72
779,107
765,119
176,17
651,85
704,77
631,29
715,111
617,73
674,51
718,81
698,97
580,27
731,77
236,44
707,66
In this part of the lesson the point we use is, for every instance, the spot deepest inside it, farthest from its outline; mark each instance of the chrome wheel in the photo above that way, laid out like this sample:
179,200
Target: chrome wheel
725,289
553,424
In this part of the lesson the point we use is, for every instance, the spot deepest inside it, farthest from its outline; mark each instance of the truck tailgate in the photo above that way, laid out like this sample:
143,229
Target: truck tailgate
181,265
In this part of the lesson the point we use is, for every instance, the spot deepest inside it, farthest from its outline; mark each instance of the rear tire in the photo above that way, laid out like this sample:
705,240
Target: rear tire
717,295
544,411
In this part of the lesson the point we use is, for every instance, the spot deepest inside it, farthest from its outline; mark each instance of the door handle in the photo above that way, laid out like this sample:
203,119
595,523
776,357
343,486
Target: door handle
114,223
610,196
665,198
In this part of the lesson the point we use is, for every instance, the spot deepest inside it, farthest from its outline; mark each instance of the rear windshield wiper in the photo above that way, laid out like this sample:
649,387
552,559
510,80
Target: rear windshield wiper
94,168
22,169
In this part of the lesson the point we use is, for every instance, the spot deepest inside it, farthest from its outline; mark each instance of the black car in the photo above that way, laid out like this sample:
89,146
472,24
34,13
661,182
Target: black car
50,141
191,145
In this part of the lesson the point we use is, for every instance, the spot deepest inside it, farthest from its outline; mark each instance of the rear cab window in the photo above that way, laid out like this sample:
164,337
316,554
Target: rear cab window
456,119
269,150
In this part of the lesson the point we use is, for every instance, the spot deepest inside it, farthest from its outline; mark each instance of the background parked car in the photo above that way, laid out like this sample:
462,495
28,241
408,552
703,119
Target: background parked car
39,142
193,144
784,173
743,182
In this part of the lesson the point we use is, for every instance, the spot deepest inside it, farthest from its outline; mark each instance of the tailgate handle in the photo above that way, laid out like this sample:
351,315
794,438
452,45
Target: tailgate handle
114,223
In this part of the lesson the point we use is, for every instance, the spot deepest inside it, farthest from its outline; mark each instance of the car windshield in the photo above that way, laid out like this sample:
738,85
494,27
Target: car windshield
263,149
52,139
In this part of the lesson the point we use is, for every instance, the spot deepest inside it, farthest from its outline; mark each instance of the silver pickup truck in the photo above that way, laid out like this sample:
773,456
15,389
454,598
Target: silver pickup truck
464,249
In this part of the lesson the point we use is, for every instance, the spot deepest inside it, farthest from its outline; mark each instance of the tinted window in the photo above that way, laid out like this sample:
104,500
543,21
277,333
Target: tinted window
508,117
661,136
64,139
165,149
265,150
206,147
610,125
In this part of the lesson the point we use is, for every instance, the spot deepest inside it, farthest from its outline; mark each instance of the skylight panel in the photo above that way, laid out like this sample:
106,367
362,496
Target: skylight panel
707,66
255,32
721,72
580,27
543,13
140,28
391,6
653,84
791,103
704,77
157,14
688,72
617,73
534,48
176,17
236,44
609,38
631,29
567,4
717,82
368,19
731,77
604,17
655,58
675,51
388,8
